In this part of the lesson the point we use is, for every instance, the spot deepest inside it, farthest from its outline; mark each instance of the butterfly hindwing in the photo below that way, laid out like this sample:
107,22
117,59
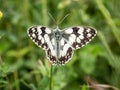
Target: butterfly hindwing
66,51
51,51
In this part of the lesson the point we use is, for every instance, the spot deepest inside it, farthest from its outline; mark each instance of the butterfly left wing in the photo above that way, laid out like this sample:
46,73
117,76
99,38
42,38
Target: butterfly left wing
43,37
78,36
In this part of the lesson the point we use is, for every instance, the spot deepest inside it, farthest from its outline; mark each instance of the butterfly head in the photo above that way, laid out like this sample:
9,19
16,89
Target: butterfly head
57,29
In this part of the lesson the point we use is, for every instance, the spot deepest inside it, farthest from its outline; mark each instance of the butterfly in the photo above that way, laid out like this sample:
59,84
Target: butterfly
60,44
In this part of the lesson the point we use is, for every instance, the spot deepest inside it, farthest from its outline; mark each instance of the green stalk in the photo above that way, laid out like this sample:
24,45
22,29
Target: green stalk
16,79
51,70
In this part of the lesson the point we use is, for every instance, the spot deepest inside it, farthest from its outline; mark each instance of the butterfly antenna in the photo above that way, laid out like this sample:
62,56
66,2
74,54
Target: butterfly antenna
52,18
63,18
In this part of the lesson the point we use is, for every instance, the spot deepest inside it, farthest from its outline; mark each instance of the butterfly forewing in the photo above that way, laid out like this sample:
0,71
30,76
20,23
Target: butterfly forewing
40,36
79,36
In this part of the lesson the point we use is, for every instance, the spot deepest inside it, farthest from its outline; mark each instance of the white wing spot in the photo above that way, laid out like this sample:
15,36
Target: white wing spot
77,46
53,52
33,29
51,46
81,37
72,38
80,31
65,48
33,35
39,37
89,35
88,30
78,40
69,31
39,30
44,47
46,38
42,40
48,30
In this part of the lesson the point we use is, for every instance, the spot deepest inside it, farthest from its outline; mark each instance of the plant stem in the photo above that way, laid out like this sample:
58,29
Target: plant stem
51,70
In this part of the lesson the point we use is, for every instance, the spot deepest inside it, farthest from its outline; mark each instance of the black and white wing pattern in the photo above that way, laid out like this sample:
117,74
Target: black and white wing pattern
43,37
60,44
74,38
40,36
66,51
78,36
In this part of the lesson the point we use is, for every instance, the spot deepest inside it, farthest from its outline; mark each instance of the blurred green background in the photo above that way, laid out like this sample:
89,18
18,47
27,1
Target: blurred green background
24,66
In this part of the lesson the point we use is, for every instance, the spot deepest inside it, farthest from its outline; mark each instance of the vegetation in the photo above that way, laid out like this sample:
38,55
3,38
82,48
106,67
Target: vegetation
24,66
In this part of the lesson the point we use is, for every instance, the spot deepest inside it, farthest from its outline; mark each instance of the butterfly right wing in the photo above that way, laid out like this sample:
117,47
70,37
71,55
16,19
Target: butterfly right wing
74,38
43,37
79,36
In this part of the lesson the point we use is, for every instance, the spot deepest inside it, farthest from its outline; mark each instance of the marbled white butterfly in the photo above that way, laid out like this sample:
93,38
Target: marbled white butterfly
60,44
